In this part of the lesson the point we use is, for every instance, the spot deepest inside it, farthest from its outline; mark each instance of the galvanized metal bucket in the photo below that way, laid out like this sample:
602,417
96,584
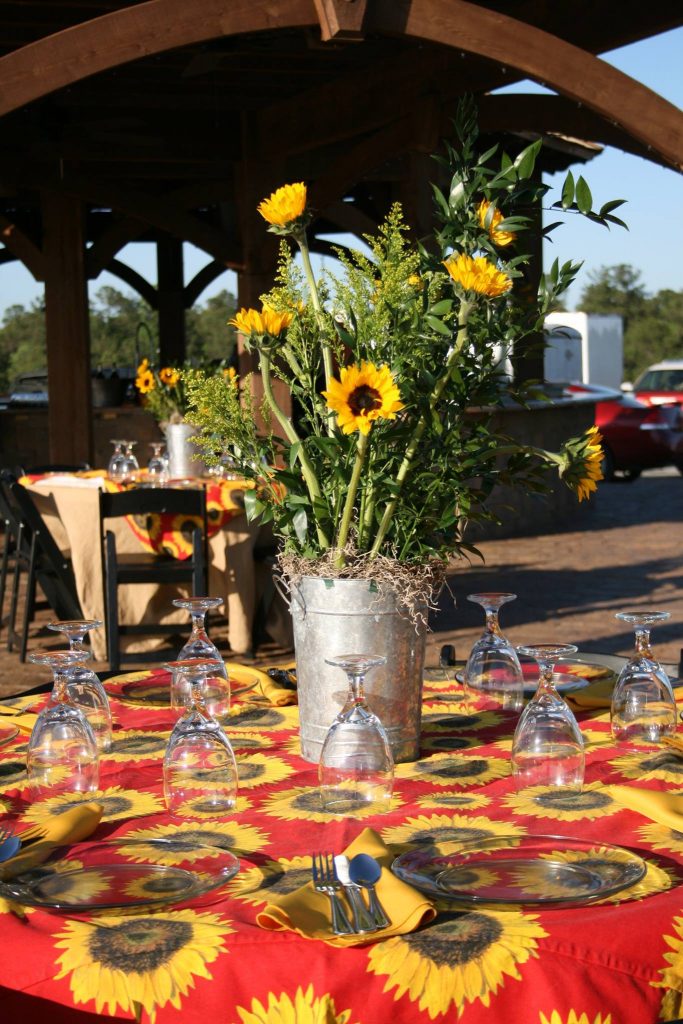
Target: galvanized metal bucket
182,452
333,617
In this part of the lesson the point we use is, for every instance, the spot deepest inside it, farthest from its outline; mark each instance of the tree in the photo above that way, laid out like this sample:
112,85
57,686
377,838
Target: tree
208,334
615,290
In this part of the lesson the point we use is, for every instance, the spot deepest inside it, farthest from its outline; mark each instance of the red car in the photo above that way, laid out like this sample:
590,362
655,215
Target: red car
636,435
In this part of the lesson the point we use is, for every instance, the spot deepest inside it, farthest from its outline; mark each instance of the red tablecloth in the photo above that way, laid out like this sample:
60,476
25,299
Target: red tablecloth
613,963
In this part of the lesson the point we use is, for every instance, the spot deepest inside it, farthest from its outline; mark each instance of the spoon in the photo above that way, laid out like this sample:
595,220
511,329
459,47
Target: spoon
364,870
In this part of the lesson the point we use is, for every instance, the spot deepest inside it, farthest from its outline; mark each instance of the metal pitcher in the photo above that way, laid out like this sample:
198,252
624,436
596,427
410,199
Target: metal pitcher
183,460
333,617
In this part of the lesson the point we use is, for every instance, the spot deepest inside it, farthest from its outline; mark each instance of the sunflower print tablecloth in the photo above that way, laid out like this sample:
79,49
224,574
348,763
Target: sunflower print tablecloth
619,962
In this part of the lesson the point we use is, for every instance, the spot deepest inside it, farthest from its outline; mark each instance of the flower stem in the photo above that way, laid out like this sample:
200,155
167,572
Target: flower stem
343,535
300,238
306,468
420,427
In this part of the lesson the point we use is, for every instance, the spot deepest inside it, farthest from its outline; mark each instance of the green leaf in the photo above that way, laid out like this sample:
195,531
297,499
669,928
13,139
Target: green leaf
294,453
526,160
584,199
568,191
253,506
612,205
439,308
300,524
438,325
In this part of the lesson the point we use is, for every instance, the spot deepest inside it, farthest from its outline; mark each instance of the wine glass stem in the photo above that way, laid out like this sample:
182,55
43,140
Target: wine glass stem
492,621
76,642
198,629
643,642
545,677
196,699
59,691
356,684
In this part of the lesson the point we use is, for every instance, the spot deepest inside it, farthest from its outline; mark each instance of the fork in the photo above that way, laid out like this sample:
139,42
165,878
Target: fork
325,880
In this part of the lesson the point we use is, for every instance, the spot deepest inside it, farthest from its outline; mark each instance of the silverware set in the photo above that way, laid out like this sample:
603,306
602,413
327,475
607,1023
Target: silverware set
331,875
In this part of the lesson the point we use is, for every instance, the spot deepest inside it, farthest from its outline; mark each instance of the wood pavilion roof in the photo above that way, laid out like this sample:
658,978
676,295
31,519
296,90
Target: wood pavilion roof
167,120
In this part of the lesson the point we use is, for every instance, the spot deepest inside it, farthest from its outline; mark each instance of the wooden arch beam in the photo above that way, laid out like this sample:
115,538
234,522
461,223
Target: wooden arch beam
140,284
201,280
22,248
158,25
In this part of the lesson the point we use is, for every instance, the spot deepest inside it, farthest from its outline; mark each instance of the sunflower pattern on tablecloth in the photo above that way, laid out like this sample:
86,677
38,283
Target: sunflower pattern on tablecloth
131,745
591,803
662,765
272,878
302,803
146,961
304,1008
453,798
117,804
458,959
454,770
188,837
574,1017
662,837
447,828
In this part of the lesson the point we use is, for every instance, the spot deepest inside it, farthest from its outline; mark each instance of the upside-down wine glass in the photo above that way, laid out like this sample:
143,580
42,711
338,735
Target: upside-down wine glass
493,667
547,748
200,771
85,688
643,702
157,467
356,763
116,462
62,754
200,647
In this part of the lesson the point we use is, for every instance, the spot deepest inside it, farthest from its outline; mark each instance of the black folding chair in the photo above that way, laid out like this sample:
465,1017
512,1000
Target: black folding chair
39,556
119,569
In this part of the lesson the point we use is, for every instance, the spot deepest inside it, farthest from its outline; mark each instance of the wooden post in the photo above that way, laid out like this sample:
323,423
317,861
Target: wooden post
70,429
529,365
171,299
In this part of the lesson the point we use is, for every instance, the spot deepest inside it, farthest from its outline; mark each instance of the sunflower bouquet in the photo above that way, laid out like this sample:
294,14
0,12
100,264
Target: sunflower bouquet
395,366
162,391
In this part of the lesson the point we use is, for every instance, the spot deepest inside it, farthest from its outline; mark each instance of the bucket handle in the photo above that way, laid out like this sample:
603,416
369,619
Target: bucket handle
287,593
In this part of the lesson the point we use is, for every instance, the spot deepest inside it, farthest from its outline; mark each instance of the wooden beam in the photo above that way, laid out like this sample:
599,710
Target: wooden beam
201,280
543,57
131,33
171,301
136,281
70,436
341,20
21,246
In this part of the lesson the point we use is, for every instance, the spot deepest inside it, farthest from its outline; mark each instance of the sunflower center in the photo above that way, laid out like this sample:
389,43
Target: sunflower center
8,769
456,941
137,745
111,805
456,769
250,771
449,834
136,947
364,399
572,801
283,882
668,762
255,716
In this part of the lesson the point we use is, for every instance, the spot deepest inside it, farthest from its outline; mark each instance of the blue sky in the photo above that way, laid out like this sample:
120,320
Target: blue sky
654,209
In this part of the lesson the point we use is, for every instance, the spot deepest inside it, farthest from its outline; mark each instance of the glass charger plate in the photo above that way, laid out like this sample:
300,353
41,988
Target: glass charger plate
155,691
531,870
122,873
7,733
563,683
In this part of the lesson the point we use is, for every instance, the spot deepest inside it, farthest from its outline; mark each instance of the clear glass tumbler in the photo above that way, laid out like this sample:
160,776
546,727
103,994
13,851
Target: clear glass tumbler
200,770
356,763
62,754
493,667
643,702
547,748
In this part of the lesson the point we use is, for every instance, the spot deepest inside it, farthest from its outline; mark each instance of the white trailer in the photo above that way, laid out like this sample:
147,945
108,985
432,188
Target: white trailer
587,348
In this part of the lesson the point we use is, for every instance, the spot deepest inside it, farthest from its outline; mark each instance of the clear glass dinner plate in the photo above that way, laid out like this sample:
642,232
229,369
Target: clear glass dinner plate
155,692
563,683
532,870
124,873
7,733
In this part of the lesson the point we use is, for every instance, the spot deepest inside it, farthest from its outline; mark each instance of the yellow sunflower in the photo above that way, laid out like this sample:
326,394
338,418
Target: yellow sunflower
267,322
188,838
477,274
655,879
259,770
363,394
116,803
169,376
303,804
145,382
230,375
255,717
672,976
664,765
454,770
574,1018
144,365
270,879
442,798
447,828
132,745
582,467
284,207
252,741
460,721
13,773
459,959
499,237
443,742
661,837
148,961
304,1009
563,805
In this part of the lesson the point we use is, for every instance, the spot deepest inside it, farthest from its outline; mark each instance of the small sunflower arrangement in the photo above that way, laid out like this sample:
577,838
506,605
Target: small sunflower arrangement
162,391
395,368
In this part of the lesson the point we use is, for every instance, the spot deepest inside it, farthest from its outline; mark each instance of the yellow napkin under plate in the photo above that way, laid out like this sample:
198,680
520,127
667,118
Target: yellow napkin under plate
69,827
278,696
597,695
24,722
308,912
664,808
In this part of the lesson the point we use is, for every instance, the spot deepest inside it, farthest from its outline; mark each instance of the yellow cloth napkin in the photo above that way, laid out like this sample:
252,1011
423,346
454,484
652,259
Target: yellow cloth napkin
664,808
69,827
308,912
265,687
25,721
597,695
